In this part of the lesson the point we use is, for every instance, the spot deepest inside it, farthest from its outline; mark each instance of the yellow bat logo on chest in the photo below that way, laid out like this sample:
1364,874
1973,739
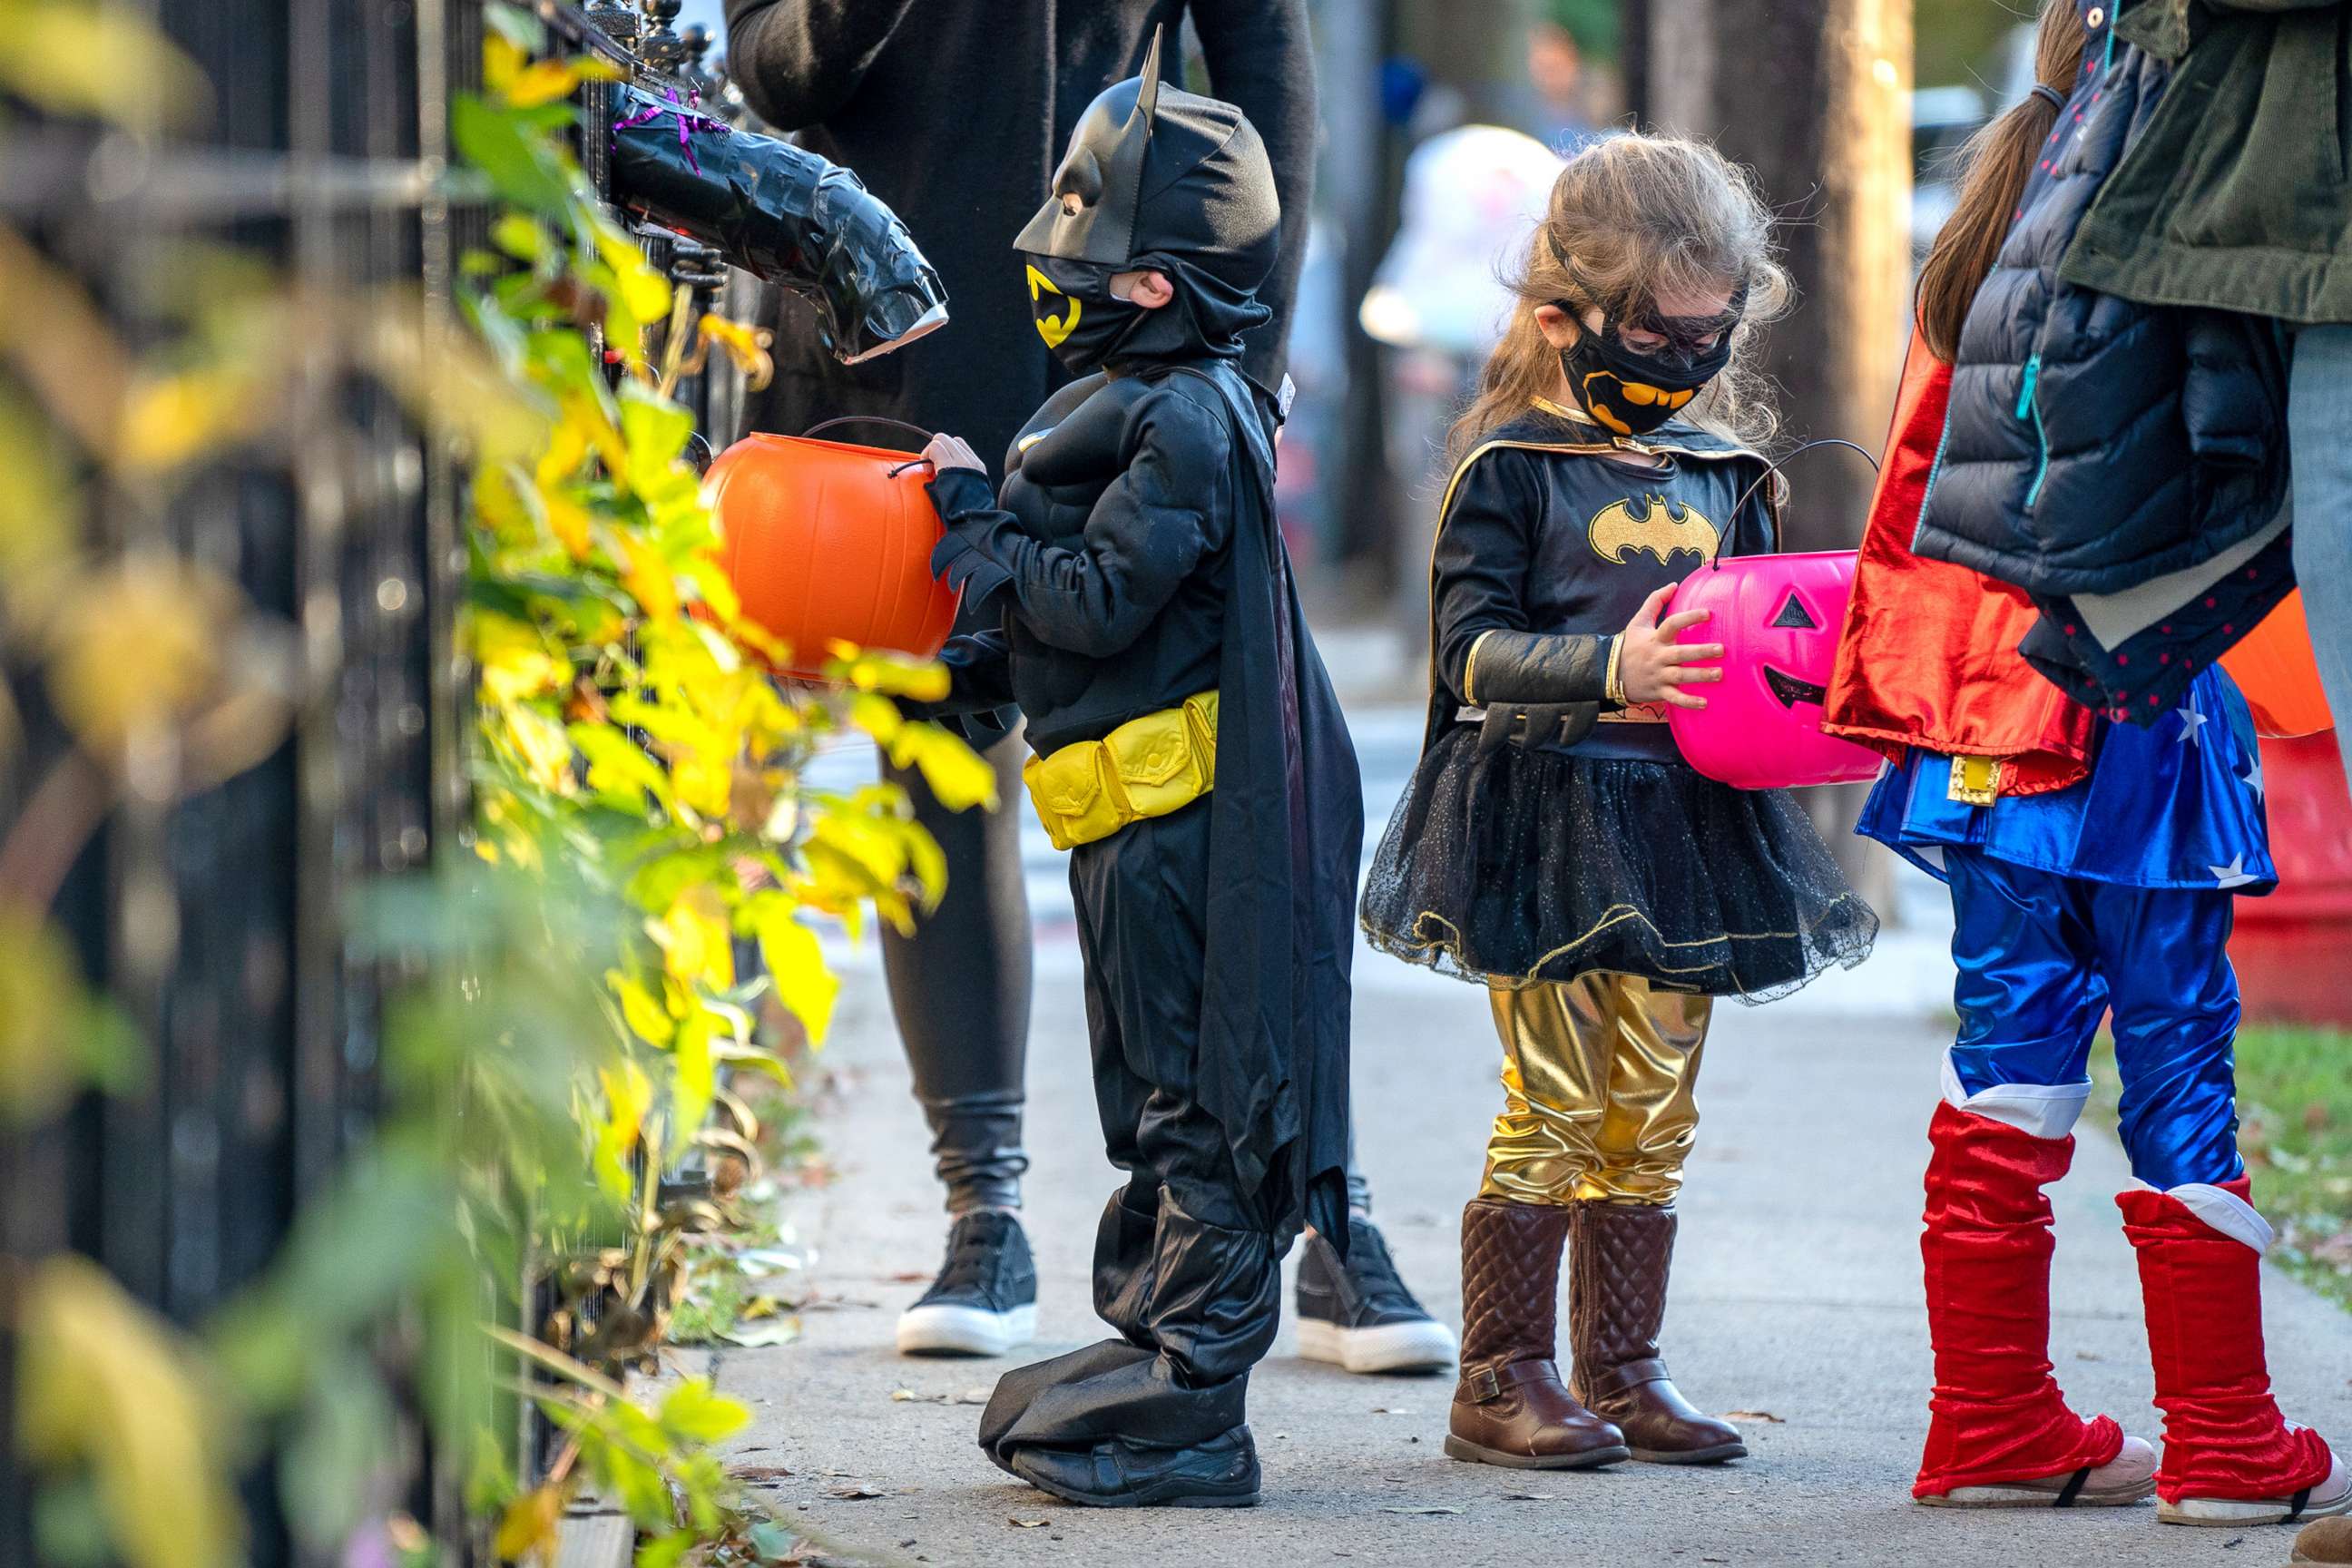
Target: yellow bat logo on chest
1053,329
1662,527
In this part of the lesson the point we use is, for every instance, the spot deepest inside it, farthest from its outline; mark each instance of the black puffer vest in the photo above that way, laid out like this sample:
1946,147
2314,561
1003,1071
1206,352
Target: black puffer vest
2094,443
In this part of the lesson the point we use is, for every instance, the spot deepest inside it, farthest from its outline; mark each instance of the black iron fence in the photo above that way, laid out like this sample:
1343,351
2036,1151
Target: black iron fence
215,920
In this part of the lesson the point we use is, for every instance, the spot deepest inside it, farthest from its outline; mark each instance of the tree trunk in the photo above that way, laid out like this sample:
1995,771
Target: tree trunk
1813,94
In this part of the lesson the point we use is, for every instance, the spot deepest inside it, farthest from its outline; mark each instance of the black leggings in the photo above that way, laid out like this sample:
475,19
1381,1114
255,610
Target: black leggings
960,989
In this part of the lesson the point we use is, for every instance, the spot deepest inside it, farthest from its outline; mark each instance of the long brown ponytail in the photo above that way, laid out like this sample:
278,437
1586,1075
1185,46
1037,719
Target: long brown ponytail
1994,164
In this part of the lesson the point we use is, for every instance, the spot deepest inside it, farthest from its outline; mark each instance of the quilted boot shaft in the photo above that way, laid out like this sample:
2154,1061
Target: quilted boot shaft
2223,1435
1621,1256
1995,1415
1511,1407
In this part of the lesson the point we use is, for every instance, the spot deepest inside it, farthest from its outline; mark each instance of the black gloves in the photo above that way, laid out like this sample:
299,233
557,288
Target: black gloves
1553,683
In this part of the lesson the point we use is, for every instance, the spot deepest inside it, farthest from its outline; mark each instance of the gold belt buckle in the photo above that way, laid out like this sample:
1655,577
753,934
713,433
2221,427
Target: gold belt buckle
1976,780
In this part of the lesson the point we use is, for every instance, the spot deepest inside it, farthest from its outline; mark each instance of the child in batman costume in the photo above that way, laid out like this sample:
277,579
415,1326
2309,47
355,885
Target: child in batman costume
1553,847
2093,867
1191,756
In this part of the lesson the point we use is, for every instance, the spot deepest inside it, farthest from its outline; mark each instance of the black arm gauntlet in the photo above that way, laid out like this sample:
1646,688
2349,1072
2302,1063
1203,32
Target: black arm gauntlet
1515,670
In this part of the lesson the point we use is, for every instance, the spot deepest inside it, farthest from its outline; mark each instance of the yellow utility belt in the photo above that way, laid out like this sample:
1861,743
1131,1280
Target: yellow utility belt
1149,766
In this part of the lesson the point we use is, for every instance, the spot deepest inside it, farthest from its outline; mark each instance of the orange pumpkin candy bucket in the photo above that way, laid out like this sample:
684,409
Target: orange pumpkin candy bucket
827,541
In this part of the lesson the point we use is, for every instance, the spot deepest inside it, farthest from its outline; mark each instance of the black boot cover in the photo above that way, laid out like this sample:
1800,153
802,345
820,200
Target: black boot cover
1113,1431
1122,1296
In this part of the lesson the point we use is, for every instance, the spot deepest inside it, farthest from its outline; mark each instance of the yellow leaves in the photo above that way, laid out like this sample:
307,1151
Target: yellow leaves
104,61
544,82
538,743
528,1524
629,1095
747,346
104,1385
956,774
513,657
172,419
137,644
795,962
54,1036
649,1018
647,578
891,674
697,947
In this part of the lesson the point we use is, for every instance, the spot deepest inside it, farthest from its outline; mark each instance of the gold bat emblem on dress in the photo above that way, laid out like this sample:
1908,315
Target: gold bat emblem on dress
1662,527
1053,329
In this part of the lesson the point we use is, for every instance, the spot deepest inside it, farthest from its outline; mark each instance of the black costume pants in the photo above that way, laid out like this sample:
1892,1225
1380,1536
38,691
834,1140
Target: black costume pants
1186,1267
960,988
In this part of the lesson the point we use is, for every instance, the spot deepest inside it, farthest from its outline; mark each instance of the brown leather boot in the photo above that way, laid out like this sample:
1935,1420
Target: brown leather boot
1510,1407
1616,1302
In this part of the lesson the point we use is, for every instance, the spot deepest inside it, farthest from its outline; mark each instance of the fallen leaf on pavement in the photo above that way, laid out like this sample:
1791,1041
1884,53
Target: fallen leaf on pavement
1526,1497
1391,1410
760,1475
763,1333
1424,1508
908,1277
974,1396
852,1493
1028,1524
1764,1416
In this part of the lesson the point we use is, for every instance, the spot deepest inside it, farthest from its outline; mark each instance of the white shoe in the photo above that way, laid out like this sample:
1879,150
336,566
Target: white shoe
951,1328
2124,1479
985,1302
2330,1497
1360,1315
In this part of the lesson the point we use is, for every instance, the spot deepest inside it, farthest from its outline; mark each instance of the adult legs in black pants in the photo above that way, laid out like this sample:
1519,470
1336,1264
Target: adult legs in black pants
960,989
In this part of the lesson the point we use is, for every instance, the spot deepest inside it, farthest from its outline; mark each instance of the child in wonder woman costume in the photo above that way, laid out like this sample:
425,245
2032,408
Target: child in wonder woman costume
2092,866
1553,847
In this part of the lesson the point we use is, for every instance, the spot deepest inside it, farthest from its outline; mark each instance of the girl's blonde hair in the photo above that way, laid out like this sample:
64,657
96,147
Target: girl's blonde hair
1994,164
1639,215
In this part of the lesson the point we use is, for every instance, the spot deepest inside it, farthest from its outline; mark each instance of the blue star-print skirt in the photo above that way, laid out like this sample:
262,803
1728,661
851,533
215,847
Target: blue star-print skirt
2175,804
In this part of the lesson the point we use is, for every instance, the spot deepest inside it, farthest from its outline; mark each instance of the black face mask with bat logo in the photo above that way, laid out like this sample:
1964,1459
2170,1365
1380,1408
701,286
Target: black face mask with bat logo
1631,393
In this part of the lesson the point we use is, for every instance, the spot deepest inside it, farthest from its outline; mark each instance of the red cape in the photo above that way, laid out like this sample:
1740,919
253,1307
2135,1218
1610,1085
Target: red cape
1928,655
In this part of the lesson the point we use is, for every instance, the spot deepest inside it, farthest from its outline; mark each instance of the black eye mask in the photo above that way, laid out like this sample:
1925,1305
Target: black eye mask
1634,391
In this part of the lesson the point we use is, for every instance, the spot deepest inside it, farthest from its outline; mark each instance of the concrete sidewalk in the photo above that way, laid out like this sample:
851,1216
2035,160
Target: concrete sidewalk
1797,1294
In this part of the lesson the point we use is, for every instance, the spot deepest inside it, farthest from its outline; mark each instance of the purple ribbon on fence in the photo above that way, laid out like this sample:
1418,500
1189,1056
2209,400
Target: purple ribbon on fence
689,117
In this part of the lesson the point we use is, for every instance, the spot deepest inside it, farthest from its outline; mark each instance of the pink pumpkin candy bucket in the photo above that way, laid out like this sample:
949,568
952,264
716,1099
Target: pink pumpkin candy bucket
1778,618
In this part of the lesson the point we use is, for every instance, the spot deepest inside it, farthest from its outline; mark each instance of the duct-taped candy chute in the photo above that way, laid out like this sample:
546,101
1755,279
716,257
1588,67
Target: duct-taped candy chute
783,213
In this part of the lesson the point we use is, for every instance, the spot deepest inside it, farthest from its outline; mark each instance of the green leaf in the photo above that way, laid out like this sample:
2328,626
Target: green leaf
520,169
694,1412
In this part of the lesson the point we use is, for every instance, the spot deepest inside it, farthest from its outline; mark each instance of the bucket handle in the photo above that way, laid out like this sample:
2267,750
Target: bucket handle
1772,467
914,430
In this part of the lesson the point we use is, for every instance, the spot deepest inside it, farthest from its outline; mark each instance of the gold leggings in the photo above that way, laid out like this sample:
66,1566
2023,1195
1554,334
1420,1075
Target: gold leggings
1597,1080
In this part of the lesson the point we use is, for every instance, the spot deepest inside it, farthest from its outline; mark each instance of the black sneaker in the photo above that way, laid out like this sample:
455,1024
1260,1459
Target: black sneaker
985,1302
1360,1315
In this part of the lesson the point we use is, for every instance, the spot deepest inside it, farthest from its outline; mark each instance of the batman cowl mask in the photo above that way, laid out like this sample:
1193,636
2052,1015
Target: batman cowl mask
1161,180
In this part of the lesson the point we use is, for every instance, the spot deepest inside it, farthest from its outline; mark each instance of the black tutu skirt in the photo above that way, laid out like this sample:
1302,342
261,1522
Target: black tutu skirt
1527,868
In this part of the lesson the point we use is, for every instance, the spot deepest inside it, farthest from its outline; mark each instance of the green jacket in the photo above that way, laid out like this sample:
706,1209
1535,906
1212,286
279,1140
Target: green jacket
2238,194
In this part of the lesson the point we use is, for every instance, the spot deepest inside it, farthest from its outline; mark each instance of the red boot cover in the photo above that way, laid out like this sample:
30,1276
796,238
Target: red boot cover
2223,1435
1995,1415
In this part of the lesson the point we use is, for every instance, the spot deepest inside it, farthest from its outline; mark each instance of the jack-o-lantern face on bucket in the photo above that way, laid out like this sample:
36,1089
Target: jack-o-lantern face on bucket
1778,618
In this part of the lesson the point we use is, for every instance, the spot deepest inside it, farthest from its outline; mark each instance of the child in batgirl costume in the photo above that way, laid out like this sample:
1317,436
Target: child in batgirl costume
1191,756
2093,865
1553,846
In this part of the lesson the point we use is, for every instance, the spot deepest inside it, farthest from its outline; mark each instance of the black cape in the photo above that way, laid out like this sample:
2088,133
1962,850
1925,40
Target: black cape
1287,837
